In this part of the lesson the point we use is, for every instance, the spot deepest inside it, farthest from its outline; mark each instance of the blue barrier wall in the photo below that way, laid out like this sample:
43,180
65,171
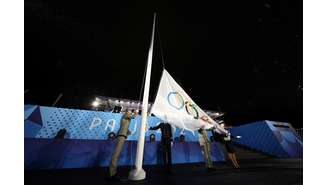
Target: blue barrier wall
44,122
75,153
86,145
270,137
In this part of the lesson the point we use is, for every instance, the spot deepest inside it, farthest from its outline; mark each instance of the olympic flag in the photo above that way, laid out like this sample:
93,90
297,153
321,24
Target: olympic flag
174,106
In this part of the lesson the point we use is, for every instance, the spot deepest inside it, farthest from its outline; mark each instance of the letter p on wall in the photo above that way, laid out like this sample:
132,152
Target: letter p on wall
95,122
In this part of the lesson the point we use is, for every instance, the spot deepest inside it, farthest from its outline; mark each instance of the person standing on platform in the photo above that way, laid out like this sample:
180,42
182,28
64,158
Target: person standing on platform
122,134
205,147
165,144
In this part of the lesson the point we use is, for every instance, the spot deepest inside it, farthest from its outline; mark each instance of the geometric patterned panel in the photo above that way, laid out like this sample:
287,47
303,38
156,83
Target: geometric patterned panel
31,129
86,124
270,138
32,120
35,116
28,109
258,136
287,137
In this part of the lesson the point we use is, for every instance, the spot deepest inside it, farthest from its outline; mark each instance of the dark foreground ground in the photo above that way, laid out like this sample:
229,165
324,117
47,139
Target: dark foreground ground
253,172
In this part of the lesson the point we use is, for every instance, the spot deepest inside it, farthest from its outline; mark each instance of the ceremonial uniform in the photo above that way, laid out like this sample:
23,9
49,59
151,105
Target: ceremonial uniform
205,147
121,137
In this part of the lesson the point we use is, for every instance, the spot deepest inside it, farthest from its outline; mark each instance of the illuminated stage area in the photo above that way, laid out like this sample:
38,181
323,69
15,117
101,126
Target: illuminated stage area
86,143
269,152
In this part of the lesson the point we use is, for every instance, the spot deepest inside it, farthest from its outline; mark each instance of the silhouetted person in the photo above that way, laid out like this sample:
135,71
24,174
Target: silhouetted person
152,138
182,138
60,134
111,136
165,144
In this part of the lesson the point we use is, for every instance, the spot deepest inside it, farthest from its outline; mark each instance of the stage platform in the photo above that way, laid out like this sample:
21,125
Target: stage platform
264,171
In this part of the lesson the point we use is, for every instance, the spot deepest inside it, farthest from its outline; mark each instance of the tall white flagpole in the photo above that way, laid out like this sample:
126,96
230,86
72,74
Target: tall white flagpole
138,173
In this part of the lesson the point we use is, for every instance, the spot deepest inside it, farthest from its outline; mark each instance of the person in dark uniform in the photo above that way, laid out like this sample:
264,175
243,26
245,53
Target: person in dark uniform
165,144
225,139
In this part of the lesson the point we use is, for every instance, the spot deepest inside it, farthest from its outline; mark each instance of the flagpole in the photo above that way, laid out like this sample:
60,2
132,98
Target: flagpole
138,173
59,96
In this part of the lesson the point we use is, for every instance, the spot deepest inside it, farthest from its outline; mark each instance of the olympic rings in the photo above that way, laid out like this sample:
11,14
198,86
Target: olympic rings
191,109
177,101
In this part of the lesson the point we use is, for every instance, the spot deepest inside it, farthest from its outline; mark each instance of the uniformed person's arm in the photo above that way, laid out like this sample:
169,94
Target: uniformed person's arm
157,127
210,129
134,115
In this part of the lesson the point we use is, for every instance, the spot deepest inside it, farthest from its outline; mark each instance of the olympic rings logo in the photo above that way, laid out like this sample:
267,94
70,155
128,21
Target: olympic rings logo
191,109
177,101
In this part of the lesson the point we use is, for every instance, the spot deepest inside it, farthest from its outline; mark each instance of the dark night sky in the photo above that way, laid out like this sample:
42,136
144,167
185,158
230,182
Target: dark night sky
242,56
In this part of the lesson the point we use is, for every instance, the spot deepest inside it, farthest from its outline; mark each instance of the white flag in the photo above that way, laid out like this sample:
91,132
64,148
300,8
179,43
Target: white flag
174,106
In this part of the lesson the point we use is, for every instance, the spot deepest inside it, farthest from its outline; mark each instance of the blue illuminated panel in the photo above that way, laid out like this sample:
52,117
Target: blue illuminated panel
270,137
86,124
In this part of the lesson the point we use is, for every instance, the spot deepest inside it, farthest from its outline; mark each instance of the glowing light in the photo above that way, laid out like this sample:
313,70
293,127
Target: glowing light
95,103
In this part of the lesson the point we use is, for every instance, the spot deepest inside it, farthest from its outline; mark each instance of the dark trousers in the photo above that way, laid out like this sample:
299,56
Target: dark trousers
166,154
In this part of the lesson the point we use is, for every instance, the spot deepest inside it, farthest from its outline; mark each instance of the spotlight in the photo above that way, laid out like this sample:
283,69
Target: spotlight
95,103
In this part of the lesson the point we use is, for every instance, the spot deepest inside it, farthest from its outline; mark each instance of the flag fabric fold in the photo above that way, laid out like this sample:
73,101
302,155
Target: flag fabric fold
173,105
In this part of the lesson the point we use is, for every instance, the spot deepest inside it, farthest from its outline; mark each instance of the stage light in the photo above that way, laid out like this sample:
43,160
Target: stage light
95,103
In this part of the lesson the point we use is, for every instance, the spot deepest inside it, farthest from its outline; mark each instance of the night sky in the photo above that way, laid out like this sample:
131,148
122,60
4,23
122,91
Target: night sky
241,57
